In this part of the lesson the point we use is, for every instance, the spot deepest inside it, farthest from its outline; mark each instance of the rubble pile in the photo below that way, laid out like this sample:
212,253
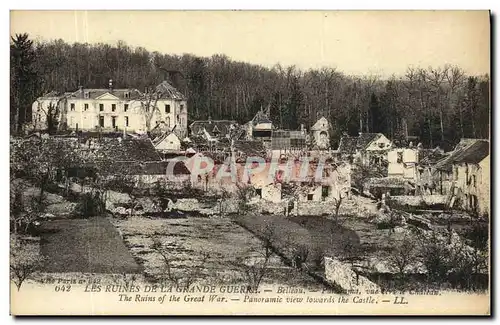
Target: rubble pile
342,275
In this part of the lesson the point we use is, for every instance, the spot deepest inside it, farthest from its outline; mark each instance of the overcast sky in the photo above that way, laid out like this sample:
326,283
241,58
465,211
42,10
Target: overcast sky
356,42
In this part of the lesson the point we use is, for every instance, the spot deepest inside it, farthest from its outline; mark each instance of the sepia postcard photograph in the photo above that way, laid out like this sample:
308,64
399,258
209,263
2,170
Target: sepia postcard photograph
223,162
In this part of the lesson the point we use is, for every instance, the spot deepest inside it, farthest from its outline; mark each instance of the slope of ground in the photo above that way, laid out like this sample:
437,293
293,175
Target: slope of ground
84,245
191,239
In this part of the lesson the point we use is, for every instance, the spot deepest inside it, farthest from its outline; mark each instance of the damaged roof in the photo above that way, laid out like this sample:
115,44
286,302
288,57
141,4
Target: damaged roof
164,91
122,150
167,91
250,148
430,156
470,151
320,124
261,118
217,128
123,94
349,144
52,94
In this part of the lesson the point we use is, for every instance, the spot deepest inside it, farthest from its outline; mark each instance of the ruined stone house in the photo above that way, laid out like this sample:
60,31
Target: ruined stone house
367,148
414,166
466,175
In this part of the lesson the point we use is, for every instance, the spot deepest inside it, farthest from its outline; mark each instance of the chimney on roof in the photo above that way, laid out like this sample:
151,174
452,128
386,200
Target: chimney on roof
110,84
80,87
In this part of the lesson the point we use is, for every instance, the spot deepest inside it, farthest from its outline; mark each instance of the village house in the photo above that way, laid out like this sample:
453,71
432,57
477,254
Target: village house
466,174
167,142
110,109
367,148
409,172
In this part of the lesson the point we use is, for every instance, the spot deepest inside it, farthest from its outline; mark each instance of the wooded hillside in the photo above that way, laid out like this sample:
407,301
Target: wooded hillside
438,104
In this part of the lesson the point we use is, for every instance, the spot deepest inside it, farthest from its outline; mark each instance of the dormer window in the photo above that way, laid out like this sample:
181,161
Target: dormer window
127,94
86,94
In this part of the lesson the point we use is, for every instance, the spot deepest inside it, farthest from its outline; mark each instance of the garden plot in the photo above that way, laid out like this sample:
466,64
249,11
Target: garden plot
209,249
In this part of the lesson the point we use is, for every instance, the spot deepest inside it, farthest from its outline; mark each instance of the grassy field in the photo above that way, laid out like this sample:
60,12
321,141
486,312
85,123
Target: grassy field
85,245
190,239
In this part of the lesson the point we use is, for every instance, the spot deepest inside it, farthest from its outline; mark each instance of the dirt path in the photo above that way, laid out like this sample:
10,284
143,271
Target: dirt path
85,245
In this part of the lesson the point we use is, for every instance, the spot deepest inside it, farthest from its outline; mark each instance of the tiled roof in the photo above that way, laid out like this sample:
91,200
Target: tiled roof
122,150
52,94
95,93
164,90
350,144
470,151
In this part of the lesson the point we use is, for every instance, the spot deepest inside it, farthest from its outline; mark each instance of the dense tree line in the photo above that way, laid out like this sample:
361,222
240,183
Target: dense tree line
439,105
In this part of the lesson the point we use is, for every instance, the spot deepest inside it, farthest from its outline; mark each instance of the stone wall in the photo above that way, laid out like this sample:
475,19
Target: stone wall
308,208
416,201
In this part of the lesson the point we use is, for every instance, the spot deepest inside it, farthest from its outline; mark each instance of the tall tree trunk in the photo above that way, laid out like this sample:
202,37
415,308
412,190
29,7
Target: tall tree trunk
461,118
441,123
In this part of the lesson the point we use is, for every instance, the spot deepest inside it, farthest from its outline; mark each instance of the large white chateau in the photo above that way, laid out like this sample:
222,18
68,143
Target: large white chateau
110,109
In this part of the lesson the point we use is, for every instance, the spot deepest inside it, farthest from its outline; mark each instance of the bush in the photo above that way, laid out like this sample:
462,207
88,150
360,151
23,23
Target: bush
478,235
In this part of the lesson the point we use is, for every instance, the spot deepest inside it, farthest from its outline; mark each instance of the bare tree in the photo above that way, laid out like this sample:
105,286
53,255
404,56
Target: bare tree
436,78
243,194
223,196
184,279
300,253
149,106
23,263
455,77
254,266
52,114
403,255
